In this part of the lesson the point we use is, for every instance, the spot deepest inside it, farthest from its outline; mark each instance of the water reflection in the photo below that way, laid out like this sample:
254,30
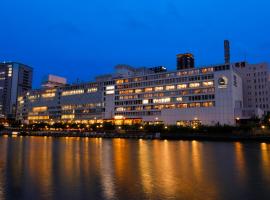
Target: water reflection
265,157
74,168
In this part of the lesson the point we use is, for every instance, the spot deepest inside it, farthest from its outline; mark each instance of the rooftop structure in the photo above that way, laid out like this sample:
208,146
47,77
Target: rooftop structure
52,81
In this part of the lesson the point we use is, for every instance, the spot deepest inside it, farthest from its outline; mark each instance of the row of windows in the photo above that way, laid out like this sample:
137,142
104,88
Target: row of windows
162,94
166,100
167,88
166,81
165,75
76,106
134,109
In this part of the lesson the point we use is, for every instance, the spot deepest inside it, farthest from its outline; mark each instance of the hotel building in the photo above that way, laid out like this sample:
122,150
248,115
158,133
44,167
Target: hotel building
205,95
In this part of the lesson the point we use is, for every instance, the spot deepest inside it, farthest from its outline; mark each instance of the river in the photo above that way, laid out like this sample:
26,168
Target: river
84,168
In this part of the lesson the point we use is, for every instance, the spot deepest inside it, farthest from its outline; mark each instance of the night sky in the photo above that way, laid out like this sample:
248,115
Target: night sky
84,38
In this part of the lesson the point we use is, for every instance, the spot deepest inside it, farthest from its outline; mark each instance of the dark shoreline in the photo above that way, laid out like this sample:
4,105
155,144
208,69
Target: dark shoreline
150,136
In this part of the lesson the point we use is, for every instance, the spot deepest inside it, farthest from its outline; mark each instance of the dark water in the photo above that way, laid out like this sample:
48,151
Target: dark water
76,168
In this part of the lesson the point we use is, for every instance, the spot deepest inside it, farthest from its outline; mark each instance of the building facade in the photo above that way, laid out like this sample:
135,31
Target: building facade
15,80
256,87
69,103
206,95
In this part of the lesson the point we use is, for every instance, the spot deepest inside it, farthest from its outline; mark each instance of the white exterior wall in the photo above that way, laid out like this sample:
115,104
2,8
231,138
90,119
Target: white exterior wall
225,103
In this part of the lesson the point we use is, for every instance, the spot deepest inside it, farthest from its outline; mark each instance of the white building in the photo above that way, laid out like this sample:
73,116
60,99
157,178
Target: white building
256,85
206,95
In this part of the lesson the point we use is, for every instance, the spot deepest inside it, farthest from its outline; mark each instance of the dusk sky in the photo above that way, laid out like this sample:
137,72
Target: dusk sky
85,38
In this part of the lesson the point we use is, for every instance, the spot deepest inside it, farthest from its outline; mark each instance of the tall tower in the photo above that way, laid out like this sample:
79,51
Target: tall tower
15,80
227,54
185,61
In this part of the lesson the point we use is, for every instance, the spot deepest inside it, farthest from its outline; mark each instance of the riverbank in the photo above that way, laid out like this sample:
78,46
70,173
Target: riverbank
257,137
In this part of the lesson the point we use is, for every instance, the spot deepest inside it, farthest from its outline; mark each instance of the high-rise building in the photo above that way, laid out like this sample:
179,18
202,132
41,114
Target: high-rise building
15,80
185,61
227,54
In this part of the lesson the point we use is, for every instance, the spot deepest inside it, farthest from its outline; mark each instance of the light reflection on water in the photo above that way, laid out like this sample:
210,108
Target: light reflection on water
82,168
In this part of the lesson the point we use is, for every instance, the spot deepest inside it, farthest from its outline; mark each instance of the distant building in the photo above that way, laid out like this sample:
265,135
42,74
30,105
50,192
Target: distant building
15,80
185,61
52,81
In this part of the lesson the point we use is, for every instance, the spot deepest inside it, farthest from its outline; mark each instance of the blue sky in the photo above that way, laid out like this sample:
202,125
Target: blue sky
84,38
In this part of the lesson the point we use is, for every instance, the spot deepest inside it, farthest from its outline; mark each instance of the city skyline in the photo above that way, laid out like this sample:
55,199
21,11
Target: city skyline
52,36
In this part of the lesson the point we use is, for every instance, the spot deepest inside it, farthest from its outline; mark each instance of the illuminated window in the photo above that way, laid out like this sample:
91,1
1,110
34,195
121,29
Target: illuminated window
148,89
160,88
182,86
163,100
67,107
119,109
48,95
67,116
40,109
170,87
72,92
32,97
110,87
208,83
183,105
90,90
118,82
145,101
179,99
138,90
207,104
194,85
38,117
110,92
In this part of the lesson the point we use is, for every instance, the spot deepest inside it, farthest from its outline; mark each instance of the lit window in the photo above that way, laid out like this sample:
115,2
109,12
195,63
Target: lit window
145,101
194,85
138,90
208,83
48,95
110,92
40,109
163,100
159,88
90,90
170,87
38,117
67,116
182,86
118,82
119,109
179,99
72,92
148,89
110,87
